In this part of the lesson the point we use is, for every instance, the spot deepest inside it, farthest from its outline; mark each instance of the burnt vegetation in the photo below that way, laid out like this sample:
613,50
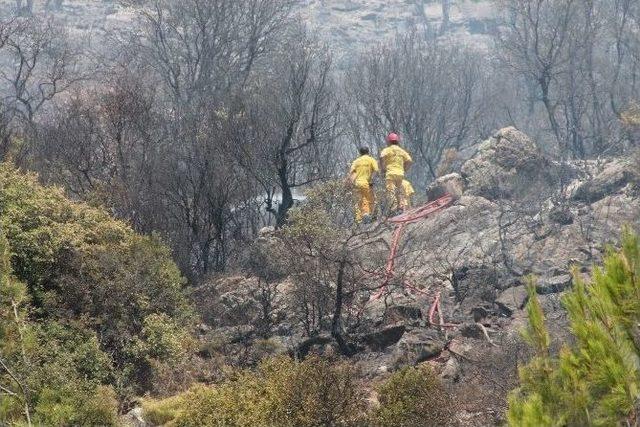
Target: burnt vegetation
174,219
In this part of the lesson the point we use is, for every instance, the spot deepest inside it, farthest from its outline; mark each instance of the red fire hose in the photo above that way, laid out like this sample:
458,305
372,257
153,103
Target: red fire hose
401,221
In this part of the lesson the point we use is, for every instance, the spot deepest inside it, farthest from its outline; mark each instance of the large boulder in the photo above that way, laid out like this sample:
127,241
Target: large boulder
554,285
512,299
135,418
380,339
508,166
458,236
452,184
417,346
613,177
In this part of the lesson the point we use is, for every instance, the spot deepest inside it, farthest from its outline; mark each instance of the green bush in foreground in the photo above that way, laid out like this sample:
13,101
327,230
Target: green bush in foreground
597,380
413,397
315,392
84,270
89,311
51,374
281,392
64,407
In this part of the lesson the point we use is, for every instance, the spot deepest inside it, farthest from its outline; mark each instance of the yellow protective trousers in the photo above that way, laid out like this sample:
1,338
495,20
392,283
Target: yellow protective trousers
365,201
395,192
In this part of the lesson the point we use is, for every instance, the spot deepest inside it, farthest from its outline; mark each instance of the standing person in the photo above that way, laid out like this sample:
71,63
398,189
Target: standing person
395,162
361,176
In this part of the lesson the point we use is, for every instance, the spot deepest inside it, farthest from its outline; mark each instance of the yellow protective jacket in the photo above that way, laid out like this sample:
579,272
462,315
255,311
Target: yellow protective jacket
394,158
363,168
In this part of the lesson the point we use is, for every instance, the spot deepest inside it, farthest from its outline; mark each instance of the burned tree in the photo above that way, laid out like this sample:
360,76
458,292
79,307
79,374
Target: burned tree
294,123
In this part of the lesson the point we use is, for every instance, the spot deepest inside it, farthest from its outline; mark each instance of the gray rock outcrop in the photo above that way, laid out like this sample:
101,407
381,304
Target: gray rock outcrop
418,346
509,165
612,178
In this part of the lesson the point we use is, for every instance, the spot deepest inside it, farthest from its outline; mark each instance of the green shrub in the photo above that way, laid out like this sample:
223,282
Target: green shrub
50,371
87,308
413,397
163,338
68,350
164,412
82,267
164,348
314,392
67,406
597,380
16,338
280,393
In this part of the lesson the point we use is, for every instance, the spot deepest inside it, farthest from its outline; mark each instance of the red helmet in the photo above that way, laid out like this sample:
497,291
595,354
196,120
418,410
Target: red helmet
392,137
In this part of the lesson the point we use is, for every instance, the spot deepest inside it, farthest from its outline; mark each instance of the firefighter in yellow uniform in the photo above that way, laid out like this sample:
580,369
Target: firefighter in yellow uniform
361,176
395,161
408,192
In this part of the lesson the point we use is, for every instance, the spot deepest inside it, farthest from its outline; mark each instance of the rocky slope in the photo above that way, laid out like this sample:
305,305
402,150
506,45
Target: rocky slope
348,26
351,25
520,214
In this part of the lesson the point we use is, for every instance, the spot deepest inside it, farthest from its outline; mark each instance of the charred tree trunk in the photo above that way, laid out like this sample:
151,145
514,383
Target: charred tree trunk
336,332
285,205
287,195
